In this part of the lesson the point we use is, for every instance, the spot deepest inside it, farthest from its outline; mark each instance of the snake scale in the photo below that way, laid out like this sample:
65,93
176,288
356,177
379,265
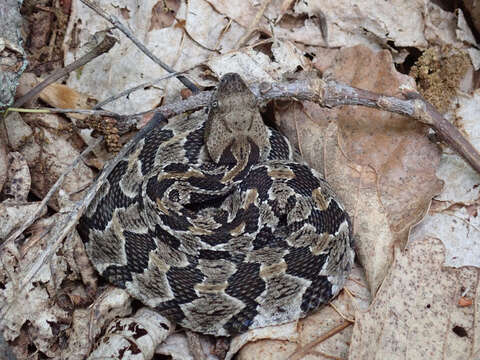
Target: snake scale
212,222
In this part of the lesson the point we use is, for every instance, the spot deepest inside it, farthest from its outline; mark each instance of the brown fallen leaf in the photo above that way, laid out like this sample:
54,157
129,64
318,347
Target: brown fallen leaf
62,96
381,164
415,313
464,301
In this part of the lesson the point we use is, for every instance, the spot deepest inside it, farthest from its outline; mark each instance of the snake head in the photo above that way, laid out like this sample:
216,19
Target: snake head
234,123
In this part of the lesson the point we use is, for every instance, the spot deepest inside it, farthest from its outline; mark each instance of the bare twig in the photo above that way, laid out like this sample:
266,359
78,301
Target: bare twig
115,22
300,354
253,25
332,93
66,111
328,94
127,92
105,45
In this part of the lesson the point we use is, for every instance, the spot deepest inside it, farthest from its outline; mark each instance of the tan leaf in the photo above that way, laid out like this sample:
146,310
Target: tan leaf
416,315
62,96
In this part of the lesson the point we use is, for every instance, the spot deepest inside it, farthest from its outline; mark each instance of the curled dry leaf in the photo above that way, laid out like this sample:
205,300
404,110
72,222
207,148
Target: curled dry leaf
133,338
87,324
381,164
415,314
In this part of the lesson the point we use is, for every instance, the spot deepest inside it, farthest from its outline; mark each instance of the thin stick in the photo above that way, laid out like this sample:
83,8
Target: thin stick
66,111
297,355
327,94
105,45
135,88
253,25
332,93
115,22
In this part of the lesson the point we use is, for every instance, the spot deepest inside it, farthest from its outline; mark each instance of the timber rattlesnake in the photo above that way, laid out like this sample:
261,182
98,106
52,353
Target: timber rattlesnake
210,221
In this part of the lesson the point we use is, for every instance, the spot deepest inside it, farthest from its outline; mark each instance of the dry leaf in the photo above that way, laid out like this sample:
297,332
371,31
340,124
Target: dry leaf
62,96
133,338
415,314
87,324
12,215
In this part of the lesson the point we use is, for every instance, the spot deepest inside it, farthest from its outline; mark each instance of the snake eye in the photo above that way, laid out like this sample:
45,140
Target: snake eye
214,104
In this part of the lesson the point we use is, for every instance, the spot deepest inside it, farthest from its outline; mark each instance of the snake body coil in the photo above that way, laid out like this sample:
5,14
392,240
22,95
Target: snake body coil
211,222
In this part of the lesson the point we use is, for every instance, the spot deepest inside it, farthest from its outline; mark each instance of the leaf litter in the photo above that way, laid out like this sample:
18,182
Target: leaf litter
405,301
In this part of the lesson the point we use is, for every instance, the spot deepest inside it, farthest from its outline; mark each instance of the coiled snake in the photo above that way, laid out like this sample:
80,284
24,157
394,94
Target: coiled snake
210,221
